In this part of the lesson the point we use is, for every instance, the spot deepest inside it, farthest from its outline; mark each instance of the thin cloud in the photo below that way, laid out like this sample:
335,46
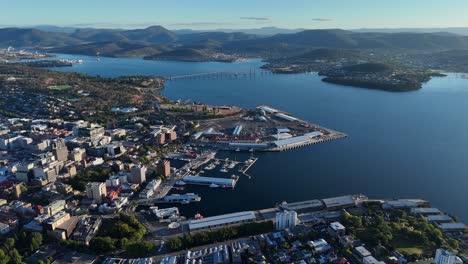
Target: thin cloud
322,19
198,24
256,18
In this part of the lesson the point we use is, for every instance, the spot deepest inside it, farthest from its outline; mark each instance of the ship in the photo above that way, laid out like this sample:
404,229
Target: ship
232,165
165,213
213,185
198,216
181,183
210,166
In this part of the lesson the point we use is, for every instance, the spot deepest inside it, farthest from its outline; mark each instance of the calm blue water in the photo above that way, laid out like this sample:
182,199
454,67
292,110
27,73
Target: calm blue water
400,145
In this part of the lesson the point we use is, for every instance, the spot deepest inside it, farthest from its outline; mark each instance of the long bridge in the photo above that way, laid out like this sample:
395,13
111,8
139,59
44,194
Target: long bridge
229,73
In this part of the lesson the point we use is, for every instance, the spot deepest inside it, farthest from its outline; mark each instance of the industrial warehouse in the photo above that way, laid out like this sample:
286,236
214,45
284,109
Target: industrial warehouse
223,182
221,220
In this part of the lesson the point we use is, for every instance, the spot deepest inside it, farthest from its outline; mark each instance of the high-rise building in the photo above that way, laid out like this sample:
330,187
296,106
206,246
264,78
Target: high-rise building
138,174
160,139
77,154
286,219
93,131
171,135
60,149
96,191
164,168
116,149
444,256
24,171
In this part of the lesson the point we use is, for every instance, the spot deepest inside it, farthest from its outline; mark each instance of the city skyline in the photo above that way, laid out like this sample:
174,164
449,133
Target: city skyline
209,14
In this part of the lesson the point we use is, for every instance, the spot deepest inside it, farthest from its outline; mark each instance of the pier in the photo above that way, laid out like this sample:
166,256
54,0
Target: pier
307,142
248,166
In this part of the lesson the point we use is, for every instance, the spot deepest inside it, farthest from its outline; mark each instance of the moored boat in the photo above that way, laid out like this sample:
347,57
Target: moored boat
181,183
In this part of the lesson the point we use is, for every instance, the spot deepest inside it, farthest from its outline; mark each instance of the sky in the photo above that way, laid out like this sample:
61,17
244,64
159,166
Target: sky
236,14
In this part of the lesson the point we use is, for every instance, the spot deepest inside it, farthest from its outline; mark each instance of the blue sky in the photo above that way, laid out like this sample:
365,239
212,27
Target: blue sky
212,14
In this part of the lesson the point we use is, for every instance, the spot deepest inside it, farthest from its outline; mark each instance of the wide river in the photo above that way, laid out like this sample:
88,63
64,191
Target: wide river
400,145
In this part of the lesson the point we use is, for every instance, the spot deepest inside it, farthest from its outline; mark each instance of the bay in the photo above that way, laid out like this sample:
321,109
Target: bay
400,145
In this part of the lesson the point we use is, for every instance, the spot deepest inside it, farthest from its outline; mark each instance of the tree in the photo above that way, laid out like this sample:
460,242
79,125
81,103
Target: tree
140,249
9,244
175,244
121,230
36,241
351,221
453,243
102,244
145,160
16,258
4,258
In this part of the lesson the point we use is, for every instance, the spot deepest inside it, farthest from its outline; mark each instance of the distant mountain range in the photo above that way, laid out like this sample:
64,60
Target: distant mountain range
156,39
277,30
268,31
453,30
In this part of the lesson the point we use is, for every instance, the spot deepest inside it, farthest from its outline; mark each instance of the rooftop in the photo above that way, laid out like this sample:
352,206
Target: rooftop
337,226
423,210
450,226
309,204
339,201
362,251
436,218
208,180
221,219
56,217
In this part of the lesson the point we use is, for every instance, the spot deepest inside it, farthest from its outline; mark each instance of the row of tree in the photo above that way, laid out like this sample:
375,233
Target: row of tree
14,248
395,228
208,237
126,233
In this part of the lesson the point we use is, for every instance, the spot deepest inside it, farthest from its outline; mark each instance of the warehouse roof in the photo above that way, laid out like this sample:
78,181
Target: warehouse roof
340,201
436,218
297,206
221,220
208,180
423,210
451,226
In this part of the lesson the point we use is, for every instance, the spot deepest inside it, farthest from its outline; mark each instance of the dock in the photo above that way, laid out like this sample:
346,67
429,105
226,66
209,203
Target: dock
222,160
170,199
248,166
306,142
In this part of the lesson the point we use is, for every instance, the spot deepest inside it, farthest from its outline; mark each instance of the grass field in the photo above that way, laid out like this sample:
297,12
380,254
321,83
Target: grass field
408,247
402,245
59,87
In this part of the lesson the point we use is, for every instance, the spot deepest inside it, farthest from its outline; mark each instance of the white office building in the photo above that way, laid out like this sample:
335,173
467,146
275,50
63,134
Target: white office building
446,257
286,219
96,191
